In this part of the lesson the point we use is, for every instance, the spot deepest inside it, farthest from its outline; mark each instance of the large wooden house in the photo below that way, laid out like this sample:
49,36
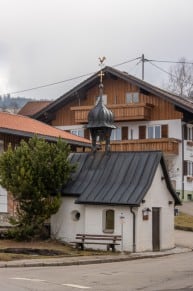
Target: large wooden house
146,118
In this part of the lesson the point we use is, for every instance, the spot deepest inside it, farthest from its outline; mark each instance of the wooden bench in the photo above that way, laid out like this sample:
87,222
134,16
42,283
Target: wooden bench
109,240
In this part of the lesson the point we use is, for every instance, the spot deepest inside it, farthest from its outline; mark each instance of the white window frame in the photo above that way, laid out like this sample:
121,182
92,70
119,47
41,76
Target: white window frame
154,134
189,133
189,168
78,132
3,200
132,97
116,134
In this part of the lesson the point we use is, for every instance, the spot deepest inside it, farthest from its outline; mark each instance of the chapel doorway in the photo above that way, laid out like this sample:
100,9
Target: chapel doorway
156,228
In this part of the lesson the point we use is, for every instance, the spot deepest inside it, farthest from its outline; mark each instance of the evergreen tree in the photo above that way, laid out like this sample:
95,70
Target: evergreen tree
35,173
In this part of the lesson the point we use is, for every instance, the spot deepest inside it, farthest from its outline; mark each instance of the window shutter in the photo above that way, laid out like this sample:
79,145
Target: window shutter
185,168
87,133
124,131
165,130
142,132
185,132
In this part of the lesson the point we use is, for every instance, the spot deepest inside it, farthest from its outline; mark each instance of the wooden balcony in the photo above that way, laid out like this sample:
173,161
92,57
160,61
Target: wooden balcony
166,145
122,112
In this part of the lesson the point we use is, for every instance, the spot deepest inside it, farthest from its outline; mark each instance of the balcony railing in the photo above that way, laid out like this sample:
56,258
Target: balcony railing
122,112
166,145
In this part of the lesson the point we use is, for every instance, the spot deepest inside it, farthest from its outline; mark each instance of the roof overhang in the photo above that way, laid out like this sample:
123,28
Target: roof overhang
46,137
78,91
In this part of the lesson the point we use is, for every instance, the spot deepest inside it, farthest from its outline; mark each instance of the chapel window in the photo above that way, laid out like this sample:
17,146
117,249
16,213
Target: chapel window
109,221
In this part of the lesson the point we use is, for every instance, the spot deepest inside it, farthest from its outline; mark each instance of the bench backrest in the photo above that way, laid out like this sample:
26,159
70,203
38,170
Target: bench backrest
98,237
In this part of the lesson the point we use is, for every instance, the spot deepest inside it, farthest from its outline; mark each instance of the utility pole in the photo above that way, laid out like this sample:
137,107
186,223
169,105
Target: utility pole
143,61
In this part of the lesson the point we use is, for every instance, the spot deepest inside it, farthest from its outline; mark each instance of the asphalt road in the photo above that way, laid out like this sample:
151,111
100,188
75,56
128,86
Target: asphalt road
174,272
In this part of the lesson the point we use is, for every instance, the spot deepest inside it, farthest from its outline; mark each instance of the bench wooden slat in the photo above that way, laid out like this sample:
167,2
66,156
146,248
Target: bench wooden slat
101,238
95,243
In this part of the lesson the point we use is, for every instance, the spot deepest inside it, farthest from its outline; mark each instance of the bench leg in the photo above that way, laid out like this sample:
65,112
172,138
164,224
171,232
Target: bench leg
111,246
80,245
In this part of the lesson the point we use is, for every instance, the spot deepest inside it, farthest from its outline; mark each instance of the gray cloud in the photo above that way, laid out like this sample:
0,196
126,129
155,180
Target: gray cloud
47,41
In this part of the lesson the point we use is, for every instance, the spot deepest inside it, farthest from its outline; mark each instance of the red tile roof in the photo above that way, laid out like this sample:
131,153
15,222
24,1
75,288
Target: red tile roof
26,126
33,107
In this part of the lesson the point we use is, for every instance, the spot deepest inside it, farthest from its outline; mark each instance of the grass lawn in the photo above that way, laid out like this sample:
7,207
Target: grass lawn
42,245
184,221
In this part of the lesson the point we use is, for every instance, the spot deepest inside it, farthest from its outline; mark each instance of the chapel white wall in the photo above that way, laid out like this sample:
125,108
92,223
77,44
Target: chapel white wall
158,196
63,227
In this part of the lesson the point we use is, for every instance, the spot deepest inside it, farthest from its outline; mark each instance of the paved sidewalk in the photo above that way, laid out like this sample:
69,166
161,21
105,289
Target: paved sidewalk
184,238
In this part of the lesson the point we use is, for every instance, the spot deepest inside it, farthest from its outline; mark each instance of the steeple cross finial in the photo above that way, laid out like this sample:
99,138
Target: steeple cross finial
101,74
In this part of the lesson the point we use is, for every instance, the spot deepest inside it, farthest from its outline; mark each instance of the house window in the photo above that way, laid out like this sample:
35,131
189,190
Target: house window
109,221
131,134
154,131
189,197
189,133
79,132
1,146
116,134
75,215
104,99
3,200
190,168
132,97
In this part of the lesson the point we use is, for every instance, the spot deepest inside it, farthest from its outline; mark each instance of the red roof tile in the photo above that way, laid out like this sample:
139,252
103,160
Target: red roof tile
33,107
26,126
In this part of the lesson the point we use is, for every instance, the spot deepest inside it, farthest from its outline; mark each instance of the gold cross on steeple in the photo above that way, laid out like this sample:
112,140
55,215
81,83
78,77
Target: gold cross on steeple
101,74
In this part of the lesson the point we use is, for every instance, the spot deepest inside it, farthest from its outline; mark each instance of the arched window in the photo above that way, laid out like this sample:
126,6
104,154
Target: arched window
109,220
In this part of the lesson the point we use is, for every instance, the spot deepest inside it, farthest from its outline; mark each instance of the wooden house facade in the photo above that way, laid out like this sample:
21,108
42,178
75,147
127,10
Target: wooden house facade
146,118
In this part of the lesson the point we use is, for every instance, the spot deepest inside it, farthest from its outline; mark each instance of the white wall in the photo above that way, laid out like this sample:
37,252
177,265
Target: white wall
91,222
63,227
174,127
94,223
158,196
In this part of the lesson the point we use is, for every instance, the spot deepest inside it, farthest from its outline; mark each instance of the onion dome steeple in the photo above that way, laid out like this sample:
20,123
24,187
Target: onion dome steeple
100,118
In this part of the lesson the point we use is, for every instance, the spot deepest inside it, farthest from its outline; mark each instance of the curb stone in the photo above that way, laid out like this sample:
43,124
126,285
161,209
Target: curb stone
89,260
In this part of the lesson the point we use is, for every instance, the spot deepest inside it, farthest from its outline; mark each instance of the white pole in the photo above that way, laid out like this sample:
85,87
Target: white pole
122,221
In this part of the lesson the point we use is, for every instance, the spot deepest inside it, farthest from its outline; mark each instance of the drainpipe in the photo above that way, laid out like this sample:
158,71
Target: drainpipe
134,229
183,124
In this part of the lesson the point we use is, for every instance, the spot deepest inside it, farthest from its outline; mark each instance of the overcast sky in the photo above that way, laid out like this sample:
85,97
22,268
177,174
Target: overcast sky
46,41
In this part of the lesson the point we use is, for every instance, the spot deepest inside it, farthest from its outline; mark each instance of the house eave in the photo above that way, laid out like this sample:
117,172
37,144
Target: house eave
46,137
181,104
